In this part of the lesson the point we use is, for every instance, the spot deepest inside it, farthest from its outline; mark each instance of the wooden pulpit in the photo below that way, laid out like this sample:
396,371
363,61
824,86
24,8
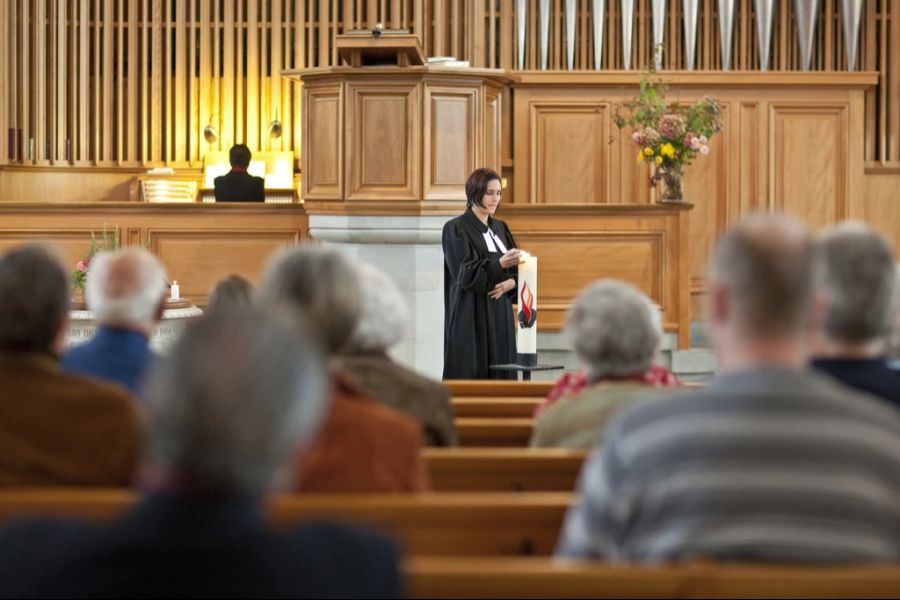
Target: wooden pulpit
390,139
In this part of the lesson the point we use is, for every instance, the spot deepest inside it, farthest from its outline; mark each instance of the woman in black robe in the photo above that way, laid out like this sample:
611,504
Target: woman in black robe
480,268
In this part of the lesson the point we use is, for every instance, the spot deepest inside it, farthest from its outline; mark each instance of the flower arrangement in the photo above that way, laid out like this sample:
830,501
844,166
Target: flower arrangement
108,242
668,136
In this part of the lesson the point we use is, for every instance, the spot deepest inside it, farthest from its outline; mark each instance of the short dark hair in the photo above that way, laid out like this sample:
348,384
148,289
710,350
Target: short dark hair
239,156
34,298
230,293
477,183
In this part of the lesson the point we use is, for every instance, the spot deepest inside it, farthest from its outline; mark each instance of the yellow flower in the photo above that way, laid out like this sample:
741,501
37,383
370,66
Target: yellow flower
659,160
640,156
667,149
648,151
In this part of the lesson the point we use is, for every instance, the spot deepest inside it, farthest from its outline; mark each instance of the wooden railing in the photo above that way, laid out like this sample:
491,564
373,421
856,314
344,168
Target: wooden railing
137,82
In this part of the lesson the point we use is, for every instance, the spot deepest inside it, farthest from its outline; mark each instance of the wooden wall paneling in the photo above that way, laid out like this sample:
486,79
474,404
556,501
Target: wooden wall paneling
120,81
299,62
133,152
224,119
146,73
250,115
749,153
384,123
808,160
61,70
39,66
192,109
25,99
493,128
323,169
208,71
265,83
5,85
73,243
82,155
324,33
706,186
892,69
109,110
507,36
242,41
568,151
156,91
95,53
275,71
440,48
199,257
451,140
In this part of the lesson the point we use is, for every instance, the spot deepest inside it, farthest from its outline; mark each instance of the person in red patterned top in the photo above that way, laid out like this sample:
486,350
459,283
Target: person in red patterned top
574,381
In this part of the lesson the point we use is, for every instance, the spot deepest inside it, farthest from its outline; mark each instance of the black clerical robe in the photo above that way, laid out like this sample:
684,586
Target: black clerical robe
478,331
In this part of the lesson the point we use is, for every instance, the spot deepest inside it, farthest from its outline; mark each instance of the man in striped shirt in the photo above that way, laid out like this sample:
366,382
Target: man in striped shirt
771,462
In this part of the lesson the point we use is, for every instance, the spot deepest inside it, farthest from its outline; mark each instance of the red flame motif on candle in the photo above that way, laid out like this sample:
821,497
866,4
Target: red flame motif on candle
527,313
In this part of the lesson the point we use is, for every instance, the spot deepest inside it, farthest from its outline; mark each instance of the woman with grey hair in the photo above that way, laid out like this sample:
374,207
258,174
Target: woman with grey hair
615,332
364,446
381,326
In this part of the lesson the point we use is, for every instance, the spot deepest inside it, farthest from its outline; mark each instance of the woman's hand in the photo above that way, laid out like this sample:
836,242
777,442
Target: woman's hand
511,258
501,288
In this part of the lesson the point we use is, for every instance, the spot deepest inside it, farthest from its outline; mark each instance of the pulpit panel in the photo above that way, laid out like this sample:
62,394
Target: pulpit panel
323,146
384,138
451,140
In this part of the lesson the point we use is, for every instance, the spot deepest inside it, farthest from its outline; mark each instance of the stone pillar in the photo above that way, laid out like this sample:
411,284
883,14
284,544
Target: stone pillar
408,248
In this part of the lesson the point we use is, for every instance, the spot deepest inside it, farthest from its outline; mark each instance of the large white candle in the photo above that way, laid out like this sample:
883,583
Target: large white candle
526,334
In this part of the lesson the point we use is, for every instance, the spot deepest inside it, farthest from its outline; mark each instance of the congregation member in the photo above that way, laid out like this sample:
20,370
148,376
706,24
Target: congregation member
237,397
126,292
858,285
56,428
771,461
381,326
232,292
615,332
364,446
238,185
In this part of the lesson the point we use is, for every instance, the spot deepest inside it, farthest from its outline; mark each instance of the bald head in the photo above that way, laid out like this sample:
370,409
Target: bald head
125,287
765,264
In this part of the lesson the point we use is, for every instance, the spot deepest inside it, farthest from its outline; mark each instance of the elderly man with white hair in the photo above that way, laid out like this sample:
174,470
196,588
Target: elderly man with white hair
126,292
381,325
615,332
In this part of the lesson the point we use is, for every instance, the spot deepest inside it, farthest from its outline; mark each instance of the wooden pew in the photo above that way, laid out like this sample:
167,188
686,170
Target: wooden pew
503,469
494,431
502,577
497,388
436,524
495,407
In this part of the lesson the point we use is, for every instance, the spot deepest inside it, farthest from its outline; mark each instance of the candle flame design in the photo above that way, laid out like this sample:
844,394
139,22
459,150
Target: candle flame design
527,312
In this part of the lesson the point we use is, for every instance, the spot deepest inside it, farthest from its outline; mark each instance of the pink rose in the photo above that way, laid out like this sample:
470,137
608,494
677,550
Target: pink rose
704,150
695,144
636,138
84,264
703,140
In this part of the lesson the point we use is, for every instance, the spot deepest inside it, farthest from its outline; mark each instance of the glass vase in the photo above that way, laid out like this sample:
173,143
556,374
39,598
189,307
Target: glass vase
672,178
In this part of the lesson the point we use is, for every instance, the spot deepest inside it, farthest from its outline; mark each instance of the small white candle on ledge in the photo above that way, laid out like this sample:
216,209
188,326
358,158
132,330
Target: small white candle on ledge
175,293
526,331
